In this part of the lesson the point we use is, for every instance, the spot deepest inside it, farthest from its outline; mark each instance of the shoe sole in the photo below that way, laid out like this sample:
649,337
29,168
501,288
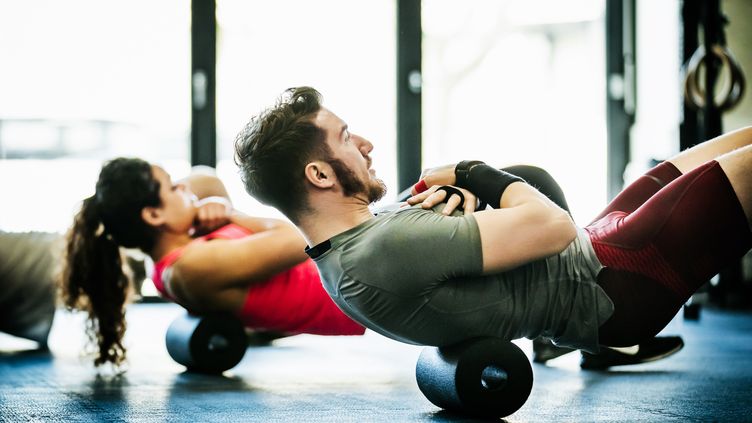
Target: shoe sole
646,360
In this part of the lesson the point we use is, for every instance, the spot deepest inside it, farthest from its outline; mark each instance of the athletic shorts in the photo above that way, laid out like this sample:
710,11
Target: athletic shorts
661,239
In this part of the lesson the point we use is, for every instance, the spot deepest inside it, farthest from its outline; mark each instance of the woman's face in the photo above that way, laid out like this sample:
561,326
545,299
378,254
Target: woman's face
177,208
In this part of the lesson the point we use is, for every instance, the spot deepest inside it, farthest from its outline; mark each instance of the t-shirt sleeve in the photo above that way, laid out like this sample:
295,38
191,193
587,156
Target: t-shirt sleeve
413,250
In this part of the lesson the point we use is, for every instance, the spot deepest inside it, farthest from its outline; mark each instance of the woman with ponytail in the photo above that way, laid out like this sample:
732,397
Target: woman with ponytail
208,257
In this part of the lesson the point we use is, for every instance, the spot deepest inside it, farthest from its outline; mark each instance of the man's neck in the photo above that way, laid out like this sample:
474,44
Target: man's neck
332,219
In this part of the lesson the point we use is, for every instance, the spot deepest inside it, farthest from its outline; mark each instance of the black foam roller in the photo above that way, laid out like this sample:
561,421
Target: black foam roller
483,376
206,343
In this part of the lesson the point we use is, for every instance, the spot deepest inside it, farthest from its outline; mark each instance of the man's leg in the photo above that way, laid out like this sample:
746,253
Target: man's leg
543,349
709,150
658,255
737,165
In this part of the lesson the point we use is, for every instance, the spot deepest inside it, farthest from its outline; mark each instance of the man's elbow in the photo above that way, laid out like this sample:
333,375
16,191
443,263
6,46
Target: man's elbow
565,231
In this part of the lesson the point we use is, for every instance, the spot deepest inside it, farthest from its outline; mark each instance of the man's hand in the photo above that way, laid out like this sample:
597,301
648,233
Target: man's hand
212,213
441,175
434,196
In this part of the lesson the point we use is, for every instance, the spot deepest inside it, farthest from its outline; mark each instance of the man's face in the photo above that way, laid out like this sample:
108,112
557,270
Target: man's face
350,159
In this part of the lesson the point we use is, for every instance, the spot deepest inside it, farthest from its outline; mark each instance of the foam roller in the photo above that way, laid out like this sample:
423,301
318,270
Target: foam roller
486,377
206,343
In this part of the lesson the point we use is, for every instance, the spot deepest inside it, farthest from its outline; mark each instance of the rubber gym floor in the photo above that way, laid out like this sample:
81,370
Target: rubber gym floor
362,379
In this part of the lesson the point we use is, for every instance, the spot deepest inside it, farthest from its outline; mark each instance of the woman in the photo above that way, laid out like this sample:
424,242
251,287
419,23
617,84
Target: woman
208,257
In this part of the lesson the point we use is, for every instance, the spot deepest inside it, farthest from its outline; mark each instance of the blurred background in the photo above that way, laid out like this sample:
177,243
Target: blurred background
590,90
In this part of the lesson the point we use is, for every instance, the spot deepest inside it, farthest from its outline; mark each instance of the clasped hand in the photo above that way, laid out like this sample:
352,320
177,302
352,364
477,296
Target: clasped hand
212,213
435,178
433,196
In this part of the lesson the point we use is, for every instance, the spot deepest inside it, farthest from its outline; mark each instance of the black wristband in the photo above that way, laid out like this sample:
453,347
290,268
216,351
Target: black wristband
462,170
488,183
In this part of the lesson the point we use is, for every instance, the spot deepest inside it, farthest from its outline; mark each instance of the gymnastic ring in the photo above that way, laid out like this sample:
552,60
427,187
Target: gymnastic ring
733,89
695,96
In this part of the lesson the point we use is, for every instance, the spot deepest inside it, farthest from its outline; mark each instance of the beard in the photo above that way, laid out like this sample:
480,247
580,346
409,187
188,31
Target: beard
372,190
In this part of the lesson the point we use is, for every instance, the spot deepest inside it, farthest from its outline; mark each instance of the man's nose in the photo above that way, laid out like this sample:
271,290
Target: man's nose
364,145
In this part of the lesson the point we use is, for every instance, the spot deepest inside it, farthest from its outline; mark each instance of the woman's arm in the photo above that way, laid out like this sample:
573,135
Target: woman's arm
213,204
216,274
204,183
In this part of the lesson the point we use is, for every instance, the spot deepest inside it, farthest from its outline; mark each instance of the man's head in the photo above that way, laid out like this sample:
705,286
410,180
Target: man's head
297,146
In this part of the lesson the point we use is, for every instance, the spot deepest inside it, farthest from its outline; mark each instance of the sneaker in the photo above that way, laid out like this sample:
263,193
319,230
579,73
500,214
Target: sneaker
544,350
651,350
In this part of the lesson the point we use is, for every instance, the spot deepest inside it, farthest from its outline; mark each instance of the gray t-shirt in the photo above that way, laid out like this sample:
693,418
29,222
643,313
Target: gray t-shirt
414,275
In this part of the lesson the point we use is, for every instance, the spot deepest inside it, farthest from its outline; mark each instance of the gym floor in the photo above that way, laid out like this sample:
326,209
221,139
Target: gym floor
356,379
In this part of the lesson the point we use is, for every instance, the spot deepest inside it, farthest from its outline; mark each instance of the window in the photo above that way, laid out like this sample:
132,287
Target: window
344,49
83,81
519,82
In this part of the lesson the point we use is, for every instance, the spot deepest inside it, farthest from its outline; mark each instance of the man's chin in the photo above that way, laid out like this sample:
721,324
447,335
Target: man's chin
376,190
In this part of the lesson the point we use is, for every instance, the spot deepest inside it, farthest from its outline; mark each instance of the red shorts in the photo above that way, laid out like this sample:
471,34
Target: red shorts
663,237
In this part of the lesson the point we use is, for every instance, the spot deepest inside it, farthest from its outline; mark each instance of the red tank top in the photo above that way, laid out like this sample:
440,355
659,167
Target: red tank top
293,301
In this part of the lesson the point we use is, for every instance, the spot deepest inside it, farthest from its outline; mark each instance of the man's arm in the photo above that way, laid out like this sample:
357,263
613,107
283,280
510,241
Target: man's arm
523,226
528,226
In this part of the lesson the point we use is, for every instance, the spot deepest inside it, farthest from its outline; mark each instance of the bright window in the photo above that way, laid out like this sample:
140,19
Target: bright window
83,81
345,49
519,82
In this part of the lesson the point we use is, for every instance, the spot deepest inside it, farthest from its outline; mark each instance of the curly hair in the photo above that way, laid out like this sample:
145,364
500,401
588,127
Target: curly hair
93,278
274,147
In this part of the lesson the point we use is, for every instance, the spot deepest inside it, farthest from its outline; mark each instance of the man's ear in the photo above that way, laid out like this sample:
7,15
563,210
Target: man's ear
320,174
153,216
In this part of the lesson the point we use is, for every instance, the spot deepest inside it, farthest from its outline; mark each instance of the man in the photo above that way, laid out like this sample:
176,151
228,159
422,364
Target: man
543,349
522,269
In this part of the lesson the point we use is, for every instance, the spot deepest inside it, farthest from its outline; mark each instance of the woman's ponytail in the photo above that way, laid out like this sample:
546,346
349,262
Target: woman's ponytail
93,281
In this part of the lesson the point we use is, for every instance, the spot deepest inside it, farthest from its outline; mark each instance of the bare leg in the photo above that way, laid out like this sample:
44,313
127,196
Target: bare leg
711,149
737,165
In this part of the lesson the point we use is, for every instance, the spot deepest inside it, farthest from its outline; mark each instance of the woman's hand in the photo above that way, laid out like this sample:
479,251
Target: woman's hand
433,196
212,213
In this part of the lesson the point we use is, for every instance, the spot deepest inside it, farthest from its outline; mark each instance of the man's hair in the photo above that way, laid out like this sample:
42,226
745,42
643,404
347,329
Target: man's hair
274,148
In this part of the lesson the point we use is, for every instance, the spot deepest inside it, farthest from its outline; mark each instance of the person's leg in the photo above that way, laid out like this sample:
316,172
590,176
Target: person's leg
737,165
658,255
542,181
639,191
656,178
543,349
709,150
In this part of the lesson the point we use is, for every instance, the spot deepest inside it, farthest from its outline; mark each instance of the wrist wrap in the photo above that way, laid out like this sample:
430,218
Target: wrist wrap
462,170
485,181
452,190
